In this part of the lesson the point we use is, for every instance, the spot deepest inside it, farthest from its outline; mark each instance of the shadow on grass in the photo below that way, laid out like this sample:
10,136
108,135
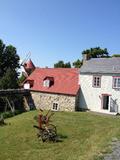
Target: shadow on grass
83,110
61,137
2,121
4,124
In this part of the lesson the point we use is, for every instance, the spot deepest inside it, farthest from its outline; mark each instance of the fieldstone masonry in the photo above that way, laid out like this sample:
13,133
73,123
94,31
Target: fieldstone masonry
46,100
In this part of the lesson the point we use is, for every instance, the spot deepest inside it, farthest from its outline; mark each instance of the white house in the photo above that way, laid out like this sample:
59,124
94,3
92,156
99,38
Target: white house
100,85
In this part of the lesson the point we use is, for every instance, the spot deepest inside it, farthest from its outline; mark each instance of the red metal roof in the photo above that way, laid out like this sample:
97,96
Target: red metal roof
65,80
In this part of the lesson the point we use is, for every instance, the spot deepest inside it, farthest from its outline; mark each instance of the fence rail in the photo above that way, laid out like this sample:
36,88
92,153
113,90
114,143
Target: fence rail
5,92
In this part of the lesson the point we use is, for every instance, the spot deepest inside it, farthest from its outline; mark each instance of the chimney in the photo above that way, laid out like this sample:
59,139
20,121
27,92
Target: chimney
85,58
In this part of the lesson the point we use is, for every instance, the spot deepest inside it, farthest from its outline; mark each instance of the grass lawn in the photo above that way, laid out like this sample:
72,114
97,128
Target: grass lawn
85,137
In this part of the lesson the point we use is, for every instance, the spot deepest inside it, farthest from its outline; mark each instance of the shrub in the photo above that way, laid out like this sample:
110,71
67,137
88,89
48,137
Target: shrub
9,114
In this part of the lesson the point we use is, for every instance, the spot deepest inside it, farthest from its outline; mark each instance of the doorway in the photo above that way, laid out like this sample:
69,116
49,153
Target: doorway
106,102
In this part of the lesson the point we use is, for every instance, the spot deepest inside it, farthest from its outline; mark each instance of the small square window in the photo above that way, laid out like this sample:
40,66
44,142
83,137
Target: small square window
55,106
116,82
46,83
97,81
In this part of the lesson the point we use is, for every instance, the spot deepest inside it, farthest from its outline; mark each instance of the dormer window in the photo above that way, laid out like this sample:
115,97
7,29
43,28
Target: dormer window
48,81
28,84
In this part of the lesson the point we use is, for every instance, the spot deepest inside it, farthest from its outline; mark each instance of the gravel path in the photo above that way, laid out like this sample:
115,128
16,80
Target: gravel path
115,154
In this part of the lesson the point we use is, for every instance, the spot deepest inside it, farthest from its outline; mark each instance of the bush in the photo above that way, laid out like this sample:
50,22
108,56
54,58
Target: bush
18,112
9,114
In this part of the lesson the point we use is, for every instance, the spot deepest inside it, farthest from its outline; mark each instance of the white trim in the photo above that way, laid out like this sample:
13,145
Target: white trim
109,103
96,82
26,86
115,86
46,83
57,106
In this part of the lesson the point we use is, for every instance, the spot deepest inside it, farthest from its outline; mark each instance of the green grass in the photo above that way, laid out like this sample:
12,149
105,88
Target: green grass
85,137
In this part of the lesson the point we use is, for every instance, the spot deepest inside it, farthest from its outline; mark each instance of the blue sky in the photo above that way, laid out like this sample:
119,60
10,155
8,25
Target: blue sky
55,30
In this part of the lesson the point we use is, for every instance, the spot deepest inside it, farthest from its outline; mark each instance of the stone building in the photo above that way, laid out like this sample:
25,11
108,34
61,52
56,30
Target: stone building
54,88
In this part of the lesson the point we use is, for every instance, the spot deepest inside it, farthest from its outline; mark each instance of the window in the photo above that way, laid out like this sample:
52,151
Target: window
97,81
46,83
55,106
116,82
26,86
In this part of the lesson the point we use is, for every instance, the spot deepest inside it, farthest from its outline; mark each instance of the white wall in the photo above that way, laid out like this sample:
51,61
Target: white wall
90,97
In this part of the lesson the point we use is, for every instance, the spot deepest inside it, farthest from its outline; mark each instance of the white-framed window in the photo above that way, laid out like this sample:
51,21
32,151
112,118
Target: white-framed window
46,83
116,82
55,106
97,81
26,86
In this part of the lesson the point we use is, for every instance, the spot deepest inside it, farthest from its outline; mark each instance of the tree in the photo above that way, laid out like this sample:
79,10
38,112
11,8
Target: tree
21,79
61,64
9,63
2,47
116,55
77,63
67,65
11,58
96,52
9,80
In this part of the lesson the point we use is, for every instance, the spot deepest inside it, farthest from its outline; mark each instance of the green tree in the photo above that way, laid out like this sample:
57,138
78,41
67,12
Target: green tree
9,63
116,55
11,58
61,64
2,47
9,80
21,79
96,52
77,63
67,65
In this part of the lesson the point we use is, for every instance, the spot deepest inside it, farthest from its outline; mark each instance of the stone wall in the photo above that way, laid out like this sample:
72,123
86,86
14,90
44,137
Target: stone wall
46,100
